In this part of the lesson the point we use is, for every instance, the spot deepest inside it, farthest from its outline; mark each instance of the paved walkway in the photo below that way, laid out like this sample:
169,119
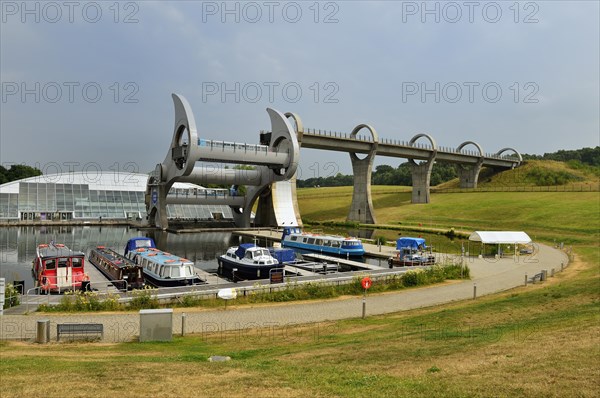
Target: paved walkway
489,275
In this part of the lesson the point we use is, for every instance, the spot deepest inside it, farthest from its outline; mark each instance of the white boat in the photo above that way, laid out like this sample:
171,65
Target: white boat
249,262
331,244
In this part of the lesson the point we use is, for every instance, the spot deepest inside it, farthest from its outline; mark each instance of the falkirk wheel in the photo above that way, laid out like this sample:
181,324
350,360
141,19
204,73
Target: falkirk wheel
191,159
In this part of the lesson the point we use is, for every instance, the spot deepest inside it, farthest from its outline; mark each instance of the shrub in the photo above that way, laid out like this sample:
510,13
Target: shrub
380,240
411,277
144,299
11,296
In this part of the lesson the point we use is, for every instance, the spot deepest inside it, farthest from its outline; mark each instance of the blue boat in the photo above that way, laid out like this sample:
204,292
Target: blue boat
411,252
331,244
161,268
249,262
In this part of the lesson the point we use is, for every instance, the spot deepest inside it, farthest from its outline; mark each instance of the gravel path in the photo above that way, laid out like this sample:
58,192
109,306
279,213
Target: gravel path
489,276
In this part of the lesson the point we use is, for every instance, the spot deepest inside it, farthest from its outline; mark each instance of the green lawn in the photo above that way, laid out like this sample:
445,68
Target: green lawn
571,217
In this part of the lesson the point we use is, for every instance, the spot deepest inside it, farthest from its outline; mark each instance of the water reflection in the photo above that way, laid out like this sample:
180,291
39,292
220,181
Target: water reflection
18,245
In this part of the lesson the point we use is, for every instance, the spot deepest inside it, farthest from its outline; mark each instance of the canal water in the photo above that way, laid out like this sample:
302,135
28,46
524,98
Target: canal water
18,245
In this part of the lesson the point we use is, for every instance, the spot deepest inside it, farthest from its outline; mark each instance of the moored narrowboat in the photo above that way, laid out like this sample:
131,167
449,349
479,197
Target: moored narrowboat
160,268
124,273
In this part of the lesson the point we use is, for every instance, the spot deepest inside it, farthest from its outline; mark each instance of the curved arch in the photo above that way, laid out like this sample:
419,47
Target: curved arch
375,136
356,129
283,137
501,151
433,152
464,144
297,122
184,120
430,138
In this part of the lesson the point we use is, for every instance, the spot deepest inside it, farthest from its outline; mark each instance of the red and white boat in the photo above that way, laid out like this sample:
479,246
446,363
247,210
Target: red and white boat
57,268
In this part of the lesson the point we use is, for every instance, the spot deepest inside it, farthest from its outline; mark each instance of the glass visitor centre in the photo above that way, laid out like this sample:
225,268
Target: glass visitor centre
102,195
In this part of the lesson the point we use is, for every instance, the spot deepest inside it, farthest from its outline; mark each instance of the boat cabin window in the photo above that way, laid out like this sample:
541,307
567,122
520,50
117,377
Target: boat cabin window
143,243
335,244
326,243
294,238
319,242
311,241
164,271
176,272
263,252
248,255
63,262
77,262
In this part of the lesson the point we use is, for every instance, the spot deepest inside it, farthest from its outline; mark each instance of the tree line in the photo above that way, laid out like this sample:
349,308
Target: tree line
17,172
384,175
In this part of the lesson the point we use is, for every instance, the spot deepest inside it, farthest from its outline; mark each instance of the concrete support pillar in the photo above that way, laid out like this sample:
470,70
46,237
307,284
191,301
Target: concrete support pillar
421,176
421,172
161,219
361,209
468,174
156,200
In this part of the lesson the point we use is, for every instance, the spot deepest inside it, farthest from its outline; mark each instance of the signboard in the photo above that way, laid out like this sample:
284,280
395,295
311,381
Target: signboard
276,275
227,294
366,282
154,197
2,289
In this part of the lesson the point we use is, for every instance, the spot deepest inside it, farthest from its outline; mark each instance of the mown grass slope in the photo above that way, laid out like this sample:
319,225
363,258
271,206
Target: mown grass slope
535,341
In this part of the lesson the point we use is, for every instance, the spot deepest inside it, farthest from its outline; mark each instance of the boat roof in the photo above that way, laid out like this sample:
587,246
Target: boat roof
114,257
140,241
157,256
57,250
413,243
320,236
137,242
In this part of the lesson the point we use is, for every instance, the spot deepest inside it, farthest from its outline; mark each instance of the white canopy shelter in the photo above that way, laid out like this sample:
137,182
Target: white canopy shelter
500,237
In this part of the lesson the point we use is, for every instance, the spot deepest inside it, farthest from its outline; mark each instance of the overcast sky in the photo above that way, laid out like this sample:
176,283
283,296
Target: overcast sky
88,84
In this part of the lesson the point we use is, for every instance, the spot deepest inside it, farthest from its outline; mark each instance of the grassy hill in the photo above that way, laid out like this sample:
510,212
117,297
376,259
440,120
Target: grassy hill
537,173
571,217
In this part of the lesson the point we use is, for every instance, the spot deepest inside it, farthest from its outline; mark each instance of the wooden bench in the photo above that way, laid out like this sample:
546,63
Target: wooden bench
80,329
536,276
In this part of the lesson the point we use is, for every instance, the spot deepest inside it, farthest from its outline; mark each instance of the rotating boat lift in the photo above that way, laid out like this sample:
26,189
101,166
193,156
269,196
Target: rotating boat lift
275,161
273,180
